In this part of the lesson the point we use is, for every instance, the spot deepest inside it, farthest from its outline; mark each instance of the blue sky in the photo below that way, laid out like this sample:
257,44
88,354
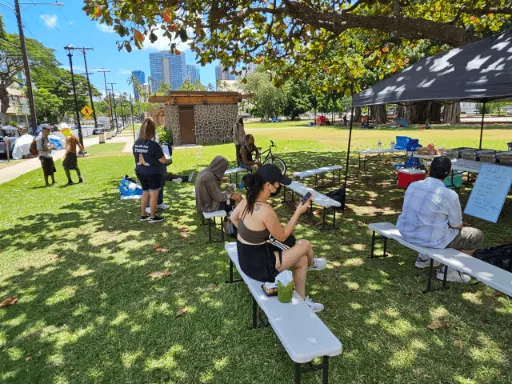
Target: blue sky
56,27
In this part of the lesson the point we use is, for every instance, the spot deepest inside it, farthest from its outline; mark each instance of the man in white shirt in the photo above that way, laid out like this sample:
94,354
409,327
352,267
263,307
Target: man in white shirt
432,217
45,148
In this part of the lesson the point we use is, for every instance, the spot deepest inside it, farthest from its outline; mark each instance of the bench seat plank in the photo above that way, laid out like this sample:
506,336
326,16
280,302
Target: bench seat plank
303,335
211,215
318,198
484,272
317,171
234,170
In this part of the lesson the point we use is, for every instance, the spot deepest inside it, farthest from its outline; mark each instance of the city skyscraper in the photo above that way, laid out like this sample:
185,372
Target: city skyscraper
223,73
168,68
141,79
193,73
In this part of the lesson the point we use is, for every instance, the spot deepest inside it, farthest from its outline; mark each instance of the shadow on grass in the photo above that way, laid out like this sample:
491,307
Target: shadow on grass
91,314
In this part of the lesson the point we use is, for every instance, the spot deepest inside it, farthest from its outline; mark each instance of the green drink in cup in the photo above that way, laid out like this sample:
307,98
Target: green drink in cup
284,292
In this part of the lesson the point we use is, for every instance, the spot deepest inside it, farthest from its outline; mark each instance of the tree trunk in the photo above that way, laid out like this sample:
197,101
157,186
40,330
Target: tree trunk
378,113
4,99
400,110
451,113
420,113
357,114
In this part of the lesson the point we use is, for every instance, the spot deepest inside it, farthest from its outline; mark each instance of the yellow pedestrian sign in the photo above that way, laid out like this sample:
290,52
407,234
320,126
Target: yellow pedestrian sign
86,111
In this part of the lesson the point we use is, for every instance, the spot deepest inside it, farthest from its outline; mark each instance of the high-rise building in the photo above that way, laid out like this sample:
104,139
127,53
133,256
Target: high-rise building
140,77
223,73
168,68
193,73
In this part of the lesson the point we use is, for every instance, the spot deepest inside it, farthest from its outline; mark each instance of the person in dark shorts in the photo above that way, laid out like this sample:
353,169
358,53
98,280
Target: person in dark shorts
150,167
71,160
261,240
44,148
432,218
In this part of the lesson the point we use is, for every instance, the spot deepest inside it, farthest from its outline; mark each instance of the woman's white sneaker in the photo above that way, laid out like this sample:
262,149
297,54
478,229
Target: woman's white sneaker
315,307
453,276
319,263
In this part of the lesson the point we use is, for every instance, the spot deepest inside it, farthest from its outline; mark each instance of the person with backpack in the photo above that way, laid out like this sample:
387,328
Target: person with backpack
45,148
71,160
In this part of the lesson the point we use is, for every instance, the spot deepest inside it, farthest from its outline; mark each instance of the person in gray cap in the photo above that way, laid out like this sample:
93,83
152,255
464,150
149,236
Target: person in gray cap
432,217
265,247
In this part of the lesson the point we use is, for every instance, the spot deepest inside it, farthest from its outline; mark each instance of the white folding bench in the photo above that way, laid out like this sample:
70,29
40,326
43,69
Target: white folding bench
209,216
301,332
235,171
482,271
320,171
318,198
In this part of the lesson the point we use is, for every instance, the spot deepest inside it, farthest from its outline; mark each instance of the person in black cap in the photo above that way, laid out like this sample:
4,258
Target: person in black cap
432,217
265,248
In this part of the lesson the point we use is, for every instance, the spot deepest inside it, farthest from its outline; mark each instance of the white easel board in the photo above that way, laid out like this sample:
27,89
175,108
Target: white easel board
490,192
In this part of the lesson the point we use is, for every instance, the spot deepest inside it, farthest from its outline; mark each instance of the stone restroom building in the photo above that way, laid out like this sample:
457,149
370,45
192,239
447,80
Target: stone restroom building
200,117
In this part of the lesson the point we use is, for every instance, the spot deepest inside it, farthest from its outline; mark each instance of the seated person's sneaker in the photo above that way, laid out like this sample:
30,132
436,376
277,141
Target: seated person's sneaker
315,307
163,206
423,261
319,263
453,276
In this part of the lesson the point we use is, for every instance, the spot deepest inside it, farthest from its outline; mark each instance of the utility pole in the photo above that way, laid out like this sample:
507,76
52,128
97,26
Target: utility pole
70,55
131,112
84,50
30,94
106,94
115,109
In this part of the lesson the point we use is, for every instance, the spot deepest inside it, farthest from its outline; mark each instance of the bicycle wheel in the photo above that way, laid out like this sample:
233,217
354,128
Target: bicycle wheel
278,162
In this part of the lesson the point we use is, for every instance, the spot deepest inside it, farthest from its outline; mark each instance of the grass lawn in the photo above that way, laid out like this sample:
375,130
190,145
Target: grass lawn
78,259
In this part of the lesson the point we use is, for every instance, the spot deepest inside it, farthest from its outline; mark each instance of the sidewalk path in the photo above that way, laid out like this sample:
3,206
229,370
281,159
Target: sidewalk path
16,170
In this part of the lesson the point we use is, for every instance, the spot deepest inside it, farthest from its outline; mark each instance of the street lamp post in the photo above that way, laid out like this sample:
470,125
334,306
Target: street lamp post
30,94
84,50
131,113
70,55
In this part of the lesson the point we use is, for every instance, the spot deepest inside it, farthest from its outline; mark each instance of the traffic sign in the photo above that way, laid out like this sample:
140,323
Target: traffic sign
86,111
24,109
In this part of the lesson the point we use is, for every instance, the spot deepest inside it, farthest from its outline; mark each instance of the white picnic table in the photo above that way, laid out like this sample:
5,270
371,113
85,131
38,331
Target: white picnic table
365,154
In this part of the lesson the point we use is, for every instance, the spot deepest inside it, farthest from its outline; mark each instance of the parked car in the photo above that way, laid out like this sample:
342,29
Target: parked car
10,134
98,130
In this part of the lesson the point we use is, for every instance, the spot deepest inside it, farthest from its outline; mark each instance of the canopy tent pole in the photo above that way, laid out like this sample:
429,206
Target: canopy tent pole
482,125
349,143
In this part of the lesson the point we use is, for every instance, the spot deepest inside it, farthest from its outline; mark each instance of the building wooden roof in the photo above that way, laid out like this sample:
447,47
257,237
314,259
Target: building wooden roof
199,97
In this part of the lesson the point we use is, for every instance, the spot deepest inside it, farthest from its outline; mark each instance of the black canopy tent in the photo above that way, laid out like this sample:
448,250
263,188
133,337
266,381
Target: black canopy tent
480,71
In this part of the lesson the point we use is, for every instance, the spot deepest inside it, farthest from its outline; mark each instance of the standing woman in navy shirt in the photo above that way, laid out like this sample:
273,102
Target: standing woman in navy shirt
150,166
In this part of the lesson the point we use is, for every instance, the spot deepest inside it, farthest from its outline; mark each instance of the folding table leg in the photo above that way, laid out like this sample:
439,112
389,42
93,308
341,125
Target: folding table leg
373,245
210,230
429,284
444,276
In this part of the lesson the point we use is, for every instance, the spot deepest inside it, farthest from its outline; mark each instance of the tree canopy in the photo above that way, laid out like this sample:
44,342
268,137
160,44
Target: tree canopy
286,32
11,61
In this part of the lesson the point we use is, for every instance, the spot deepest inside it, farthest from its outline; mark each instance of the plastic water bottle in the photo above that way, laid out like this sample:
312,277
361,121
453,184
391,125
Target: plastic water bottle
379,145
241,186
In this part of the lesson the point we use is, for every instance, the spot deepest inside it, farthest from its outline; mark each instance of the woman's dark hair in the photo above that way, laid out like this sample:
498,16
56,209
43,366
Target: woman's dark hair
253,184
147,130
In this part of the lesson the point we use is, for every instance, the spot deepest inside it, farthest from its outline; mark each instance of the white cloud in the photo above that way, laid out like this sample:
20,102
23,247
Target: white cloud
124,71
163,43
104,28
49,20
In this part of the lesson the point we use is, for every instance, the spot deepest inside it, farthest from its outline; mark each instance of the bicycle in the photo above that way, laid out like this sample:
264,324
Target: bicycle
270,158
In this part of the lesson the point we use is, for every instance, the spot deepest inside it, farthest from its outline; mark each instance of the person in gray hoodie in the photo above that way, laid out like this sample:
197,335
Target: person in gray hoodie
209,196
